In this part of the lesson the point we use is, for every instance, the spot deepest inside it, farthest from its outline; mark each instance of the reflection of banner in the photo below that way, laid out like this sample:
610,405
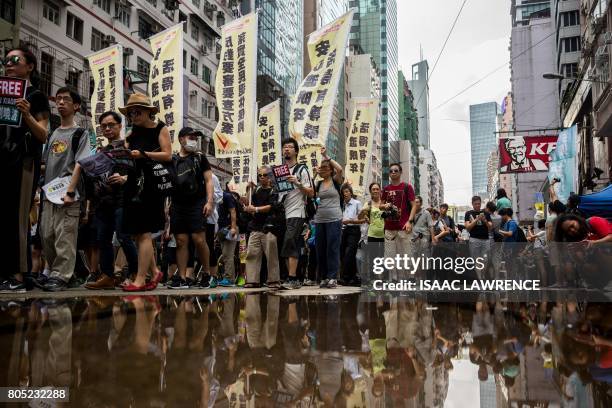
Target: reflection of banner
107,72
236,88
360,142
563,164
268,143
166,79
313,105
524,154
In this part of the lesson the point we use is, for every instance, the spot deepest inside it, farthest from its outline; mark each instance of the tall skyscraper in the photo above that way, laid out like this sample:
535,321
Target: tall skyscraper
483,125
374,32
408,132
420,88
279,51
567,18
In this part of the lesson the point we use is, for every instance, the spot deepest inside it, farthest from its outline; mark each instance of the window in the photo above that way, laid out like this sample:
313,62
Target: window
184,59
195,30
126,61
571,44
103,4
74,28
72,80
196,3
96,39
7,10
182,19
570,18
203,107
194,66
206,74
193,102
46,72
145,27
569,70
122,14
220,19
51,12
142,66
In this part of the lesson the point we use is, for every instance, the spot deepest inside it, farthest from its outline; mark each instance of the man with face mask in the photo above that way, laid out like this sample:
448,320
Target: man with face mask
192,202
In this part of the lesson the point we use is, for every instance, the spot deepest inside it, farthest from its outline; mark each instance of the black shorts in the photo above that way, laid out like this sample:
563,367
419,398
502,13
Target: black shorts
187,218
293,240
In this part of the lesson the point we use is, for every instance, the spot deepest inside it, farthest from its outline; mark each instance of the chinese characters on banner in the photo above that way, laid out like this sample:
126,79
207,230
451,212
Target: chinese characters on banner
309,155
236,89
166,79
268,144
242,172
524,154
313,105
359,144
107,72
11,89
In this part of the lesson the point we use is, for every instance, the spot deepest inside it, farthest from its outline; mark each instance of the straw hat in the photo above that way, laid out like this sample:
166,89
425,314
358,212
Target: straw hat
138,100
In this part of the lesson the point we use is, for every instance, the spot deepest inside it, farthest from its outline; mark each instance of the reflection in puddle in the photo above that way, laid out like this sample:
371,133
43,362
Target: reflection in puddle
264,350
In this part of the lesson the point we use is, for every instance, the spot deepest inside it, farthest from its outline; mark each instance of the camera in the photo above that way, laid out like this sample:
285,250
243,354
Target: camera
392,212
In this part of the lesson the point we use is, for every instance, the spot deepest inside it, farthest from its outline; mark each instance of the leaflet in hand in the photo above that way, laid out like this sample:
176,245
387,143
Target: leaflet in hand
56,189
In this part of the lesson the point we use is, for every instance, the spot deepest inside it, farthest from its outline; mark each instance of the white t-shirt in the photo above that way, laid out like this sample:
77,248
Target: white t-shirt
295,200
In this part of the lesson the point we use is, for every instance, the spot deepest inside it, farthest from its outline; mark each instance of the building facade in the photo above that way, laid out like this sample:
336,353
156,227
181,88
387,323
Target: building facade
566,14
362,80
62,34
431,187
374,31
420,87
483,125
408,132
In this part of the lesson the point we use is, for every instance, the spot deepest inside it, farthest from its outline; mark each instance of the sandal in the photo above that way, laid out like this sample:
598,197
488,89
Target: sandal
274,285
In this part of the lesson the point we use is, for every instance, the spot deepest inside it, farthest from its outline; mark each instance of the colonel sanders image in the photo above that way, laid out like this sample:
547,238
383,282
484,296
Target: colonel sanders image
517,149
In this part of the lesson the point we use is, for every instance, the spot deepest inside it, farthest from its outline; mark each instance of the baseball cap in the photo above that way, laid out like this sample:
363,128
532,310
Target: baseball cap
189,131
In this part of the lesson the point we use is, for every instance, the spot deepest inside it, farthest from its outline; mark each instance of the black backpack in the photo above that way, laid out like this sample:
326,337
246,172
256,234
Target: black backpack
187,179
520,235
311,206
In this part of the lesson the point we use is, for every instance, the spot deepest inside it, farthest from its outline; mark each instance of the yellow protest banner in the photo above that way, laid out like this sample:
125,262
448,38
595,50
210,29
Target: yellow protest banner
268,143
359,143
313,105
107,72
166,79
243,171
310,155
235,84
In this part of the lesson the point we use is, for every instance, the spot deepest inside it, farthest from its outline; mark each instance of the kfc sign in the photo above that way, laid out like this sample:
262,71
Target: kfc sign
522,154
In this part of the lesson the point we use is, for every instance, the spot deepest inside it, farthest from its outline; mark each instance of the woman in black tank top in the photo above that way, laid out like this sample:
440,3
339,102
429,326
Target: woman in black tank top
144,214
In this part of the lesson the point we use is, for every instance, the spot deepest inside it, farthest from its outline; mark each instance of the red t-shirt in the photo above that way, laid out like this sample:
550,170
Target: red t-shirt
599,228
395,195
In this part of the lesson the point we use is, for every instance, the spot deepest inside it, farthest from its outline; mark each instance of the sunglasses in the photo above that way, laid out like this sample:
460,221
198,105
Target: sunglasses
262,175
12,60
134,113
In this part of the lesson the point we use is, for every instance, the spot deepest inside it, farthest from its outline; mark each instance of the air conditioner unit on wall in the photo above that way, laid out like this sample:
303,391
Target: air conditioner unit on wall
128,51
193,92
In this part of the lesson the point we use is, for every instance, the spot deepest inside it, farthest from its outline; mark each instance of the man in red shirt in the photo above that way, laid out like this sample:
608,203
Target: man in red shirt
398,204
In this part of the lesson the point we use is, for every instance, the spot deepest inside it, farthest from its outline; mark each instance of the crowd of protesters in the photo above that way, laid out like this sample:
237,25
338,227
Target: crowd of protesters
154,216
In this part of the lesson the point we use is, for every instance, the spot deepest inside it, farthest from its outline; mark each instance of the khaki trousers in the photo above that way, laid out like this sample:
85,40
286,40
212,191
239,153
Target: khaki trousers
59,230
259,244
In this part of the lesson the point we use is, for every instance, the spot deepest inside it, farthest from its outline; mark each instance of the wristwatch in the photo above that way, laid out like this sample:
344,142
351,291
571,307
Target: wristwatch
71,194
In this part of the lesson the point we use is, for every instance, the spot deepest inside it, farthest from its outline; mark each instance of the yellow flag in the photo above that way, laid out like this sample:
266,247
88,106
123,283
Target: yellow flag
107,71
310,155
359,143
268,143
313,105
235,87
166,79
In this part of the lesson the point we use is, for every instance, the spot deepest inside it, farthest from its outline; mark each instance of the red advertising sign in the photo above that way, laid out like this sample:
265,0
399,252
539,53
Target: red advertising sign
524,154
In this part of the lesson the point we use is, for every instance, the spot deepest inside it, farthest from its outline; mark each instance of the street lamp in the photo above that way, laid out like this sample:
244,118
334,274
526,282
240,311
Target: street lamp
553,75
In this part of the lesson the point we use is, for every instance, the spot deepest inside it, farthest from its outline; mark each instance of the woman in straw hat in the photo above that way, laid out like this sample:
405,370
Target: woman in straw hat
148,140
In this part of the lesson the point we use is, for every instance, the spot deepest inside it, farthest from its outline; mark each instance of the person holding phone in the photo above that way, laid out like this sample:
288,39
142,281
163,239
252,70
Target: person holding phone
478,223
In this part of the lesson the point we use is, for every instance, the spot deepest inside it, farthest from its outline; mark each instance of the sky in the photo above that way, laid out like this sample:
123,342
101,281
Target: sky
478,45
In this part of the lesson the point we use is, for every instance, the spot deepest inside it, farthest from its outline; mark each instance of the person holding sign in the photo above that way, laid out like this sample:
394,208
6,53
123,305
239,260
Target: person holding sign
295,209
143,214
328,220
20,157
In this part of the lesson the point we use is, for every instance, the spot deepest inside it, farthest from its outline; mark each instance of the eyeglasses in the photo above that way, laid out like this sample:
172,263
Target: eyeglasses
12,60
134,113
394,171
66,99
108,126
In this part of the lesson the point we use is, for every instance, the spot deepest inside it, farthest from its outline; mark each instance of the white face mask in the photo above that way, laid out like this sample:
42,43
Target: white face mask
191,145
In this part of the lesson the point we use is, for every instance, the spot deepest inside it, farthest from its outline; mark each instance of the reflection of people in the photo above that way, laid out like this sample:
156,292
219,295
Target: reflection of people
517,149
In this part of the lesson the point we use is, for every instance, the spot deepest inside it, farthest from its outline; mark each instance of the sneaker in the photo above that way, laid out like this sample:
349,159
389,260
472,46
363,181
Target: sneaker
324,283
226,282
292,284
308,282
212,283
190,282
12,286
55,285
178,284
332,284
240,281
204,282
40,281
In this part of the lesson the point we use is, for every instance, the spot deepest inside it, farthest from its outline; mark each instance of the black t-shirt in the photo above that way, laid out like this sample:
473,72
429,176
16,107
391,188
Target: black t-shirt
29,146
261,197
479,231
200,163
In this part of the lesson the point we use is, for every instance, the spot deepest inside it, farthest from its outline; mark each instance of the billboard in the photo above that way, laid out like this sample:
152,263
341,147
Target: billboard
525,154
